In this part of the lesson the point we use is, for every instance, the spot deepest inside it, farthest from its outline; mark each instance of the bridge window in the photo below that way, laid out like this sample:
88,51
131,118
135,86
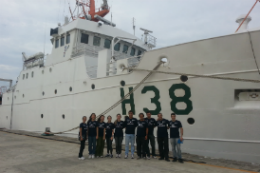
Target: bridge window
23,76
125,49
107,43
117,47
96,41
57,43
26,75
132,52
84,38
62,41
32,73
68,39
139,53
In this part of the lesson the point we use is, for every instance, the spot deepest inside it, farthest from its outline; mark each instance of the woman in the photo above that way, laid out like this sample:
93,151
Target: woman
101,136
82,136
109,136
92,135
141,137
119,126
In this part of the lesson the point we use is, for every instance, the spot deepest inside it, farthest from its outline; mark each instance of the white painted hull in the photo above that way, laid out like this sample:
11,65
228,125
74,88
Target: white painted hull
224,127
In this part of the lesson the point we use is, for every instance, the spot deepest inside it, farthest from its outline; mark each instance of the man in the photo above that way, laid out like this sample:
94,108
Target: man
162,137
130,124
141,137
175,136
151,124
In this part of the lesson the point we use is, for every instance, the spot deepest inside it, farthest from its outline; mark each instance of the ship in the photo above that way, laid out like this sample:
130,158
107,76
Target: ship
211,84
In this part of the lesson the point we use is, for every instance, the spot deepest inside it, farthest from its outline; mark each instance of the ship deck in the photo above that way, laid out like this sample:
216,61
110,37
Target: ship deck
29,152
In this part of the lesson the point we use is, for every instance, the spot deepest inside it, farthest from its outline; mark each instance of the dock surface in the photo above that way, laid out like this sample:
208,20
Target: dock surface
20,154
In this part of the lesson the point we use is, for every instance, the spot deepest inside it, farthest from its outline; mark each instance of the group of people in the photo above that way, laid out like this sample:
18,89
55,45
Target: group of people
97,132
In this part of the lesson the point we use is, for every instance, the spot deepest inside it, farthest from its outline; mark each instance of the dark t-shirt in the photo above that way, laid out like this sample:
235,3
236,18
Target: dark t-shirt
174,128
101,127
92,128
84,128
130,125
119,129
162,128
141,128
109,128
151,124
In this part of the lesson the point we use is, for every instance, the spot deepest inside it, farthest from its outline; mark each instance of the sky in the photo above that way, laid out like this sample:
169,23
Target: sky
25,24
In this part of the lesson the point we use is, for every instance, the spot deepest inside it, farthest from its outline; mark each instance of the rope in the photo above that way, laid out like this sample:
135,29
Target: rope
196,75
253,52
121,100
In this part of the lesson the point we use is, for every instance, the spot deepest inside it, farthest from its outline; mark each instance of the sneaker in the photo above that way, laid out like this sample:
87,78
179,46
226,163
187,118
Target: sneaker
126,156
174,160
81,158
167,160
90,156
148,157
180,160
119,155
108,155
111,156
93,156
132,157
154,157
161,158
101,156
138,158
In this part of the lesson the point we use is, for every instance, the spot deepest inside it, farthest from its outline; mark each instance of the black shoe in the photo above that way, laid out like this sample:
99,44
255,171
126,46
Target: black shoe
111,156
161,158
180,160
108,155
174,160
167,160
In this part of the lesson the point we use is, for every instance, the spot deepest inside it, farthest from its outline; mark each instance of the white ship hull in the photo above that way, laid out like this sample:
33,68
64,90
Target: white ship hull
225,126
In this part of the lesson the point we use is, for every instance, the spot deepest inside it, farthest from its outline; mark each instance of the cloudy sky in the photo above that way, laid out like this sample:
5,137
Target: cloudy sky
25,24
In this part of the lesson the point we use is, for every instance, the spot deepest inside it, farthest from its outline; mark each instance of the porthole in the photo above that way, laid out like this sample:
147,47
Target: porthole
55,91
42,71
23,95
122,83
93,86
63,116
41,115
191,121
50,69
70,89
43,93
183,78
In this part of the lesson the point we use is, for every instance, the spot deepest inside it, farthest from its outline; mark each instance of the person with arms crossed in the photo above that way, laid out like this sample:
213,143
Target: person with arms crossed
119,126
130,124
109,136
141,137
82,136
175,136
151,124
162,137
92,135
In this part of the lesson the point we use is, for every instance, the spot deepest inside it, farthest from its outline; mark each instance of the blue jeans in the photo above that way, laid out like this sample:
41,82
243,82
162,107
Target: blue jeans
92,145
176,148
129,138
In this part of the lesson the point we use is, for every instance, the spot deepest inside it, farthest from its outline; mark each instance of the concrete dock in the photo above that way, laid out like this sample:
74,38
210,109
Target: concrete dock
20,154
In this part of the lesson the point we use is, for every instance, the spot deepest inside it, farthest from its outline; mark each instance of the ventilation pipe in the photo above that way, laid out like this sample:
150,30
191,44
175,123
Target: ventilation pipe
240,19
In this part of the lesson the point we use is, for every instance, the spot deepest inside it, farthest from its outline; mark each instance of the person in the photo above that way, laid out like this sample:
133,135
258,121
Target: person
101,136
141,137
82,136
151,124
162,137
109,136
175,136
130,125
118,135
92,135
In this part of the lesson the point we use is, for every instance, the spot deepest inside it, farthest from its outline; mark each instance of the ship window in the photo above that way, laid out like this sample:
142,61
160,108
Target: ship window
43,93
107,43
23,95
122,83
41,115
183,78
32,74
139,53
57,43
68,39
132,52
93,86
63,116
84,38
62,41
191,121
23,76
96,41
125,49
70,89
117,47
26,75
55,91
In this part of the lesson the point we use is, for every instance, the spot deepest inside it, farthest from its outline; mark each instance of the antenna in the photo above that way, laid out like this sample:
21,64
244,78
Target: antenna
134,25
111,19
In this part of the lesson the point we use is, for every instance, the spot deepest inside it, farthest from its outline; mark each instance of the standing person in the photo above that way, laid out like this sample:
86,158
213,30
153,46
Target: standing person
130,124
109,136
92,135
119,126
175,136
151,124
82,136
162,137
101,136
141,137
